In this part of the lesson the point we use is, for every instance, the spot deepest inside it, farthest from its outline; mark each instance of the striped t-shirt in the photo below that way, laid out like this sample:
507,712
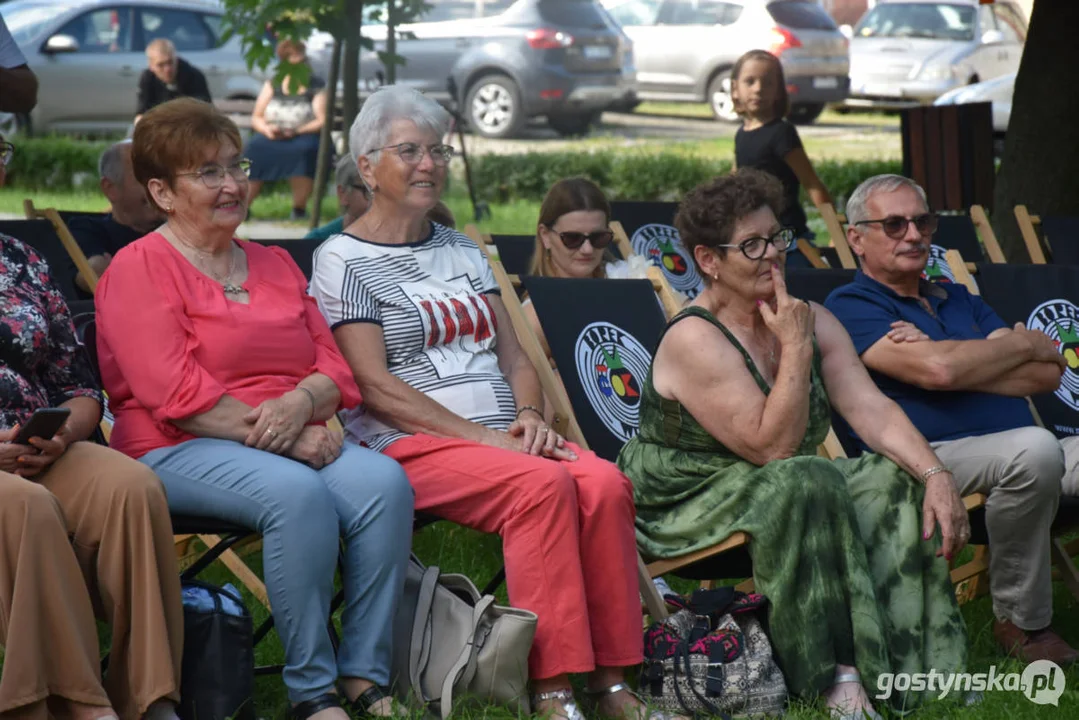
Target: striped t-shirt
430,297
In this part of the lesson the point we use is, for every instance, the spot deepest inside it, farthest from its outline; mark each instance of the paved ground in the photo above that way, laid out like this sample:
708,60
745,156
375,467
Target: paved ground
637,127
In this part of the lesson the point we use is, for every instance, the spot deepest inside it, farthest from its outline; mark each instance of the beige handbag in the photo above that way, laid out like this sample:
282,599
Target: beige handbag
450,641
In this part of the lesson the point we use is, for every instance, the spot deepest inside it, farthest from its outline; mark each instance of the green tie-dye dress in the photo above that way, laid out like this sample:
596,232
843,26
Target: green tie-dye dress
836,545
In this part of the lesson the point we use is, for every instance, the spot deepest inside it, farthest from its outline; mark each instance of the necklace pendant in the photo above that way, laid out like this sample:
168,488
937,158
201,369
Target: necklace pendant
231,289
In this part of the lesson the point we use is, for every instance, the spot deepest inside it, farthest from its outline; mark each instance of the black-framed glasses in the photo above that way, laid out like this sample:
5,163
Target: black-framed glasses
213,176
573,239
895,226
412,153
361,187
7,151
754,248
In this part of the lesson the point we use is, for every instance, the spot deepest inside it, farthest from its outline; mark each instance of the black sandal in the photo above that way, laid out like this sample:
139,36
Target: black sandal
307,708
363,702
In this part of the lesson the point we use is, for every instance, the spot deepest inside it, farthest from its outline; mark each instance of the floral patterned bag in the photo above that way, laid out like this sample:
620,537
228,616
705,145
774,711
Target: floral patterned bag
712,657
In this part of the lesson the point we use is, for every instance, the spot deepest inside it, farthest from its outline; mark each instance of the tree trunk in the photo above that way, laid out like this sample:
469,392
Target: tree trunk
350,61
325,140
1040,167
391,41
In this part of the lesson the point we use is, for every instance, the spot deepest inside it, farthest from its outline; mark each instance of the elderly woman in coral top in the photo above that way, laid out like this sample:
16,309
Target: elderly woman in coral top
221,374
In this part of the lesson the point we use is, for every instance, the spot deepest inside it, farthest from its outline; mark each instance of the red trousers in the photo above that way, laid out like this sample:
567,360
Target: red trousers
567,537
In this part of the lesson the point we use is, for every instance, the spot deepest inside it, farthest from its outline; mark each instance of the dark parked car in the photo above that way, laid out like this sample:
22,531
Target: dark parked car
510,61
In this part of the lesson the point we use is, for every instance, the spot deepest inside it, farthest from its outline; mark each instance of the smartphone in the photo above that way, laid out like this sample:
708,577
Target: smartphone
44,423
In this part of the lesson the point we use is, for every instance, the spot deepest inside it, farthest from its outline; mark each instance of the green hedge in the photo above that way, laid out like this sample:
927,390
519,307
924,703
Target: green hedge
636,175
58,163
55,163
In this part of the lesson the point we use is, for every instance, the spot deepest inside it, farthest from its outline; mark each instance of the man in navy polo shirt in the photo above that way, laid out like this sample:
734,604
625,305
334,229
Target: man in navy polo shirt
962,381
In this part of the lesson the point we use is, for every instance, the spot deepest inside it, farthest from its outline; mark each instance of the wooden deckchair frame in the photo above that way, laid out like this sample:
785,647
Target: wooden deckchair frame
1026,223
66,238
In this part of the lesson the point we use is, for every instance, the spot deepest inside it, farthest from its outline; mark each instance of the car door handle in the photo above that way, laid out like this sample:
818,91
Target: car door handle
126,71
1002,55
213,70
463,42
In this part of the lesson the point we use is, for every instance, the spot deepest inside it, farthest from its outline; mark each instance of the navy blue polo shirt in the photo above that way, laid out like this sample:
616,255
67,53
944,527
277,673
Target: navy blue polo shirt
867,310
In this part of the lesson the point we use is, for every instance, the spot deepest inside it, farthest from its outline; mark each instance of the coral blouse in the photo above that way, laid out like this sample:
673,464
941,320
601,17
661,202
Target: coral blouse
170,344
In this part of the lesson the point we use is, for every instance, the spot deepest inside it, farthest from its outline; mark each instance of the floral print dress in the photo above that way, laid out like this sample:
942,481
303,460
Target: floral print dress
41,362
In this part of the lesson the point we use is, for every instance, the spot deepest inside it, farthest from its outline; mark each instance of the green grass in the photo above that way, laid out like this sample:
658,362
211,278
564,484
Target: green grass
457,549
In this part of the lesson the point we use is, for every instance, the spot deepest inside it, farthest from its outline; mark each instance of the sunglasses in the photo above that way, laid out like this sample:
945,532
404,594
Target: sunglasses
573,240
895,226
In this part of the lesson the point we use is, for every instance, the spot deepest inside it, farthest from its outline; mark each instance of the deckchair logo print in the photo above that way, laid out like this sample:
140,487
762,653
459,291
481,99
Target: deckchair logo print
612,365
662,245
937,268
1059,319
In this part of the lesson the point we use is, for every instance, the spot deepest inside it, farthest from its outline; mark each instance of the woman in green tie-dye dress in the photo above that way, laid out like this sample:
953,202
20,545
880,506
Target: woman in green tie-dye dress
738,398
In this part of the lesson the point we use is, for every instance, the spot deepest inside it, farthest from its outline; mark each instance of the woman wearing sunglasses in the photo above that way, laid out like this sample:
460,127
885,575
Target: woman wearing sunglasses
449,394
572,239
738,398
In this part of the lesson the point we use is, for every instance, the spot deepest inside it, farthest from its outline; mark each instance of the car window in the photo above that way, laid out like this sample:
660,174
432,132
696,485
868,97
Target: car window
214,23
575,13
105,30
441,10
628,13
801,14
701,12
942,21
1010,22
986,21
185,29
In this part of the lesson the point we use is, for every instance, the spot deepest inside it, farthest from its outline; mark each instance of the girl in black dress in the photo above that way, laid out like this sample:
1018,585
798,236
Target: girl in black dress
768,141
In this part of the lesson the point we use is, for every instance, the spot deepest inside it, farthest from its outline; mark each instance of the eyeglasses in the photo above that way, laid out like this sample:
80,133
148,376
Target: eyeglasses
7,151
573,240
895,226
412,153
213,176
361,187
754,248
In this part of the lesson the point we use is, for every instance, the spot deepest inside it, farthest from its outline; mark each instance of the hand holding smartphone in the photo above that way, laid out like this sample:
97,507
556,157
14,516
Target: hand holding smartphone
44,424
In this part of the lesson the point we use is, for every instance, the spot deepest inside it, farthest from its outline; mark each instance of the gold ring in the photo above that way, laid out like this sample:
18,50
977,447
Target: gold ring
271,433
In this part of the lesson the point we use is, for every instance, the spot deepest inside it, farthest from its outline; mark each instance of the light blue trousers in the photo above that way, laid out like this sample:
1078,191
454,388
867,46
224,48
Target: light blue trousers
363,497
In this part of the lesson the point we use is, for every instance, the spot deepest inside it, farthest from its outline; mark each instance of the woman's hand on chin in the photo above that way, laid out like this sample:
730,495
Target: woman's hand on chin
792,319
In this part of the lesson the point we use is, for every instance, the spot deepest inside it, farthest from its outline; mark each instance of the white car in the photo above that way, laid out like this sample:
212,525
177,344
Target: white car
88,56
997,91
910,52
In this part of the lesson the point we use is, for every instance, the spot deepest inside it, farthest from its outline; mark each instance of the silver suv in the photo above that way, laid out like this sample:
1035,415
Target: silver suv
88,55
684,49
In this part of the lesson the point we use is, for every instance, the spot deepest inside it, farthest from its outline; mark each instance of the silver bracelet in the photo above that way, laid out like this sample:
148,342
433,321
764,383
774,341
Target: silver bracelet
311,397
533,408
933,471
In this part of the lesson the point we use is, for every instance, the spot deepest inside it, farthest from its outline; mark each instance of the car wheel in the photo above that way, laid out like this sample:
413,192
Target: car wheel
572,125
494,107
719,98
12,124
805,113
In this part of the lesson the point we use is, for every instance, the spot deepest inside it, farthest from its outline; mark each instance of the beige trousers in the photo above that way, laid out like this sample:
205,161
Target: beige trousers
90,536
1023,473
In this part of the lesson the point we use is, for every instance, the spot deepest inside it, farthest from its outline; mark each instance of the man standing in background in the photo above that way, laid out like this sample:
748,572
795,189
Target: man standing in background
168,76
